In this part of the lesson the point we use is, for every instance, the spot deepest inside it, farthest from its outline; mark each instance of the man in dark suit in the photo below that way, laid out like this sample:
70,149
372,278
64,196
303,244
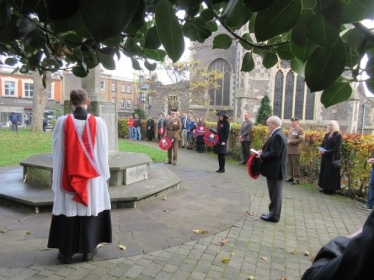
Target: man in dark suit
274,167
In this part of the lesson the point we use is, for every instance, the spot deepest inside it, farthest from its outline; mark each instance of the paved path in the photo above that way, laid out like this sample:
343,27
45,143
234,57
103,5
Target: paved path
160,243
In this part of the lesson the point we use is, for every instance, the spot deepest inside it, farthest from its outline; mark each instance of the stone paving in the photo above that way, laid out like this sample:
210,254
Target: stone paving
160,243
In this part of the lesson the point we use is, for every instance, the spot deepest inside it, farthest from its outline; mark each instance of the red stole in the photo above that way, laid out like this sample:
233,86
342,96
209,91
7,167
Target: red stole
79,159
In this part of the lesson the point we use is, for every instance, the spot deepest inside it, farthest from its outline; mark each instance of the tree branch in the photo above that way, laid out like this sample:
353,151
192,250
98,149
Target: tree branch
365,31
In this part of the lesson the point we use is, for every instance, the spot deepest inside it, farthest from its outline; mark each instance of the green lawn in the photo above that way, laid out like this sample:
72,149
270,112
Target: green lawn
14,147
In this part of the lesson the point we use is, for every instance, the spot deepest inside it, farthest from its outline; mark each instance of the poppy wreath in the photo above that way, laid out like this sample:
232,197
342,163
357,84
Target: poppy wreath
165,143
161,130
194,133
254,166
200,131
211,139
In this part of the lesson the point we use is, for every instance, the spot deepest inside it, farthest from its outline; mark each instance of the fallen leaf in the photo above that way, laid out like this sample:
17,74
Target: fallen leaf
122,247
199,231
251,214
225,260
306,253
165,198
165,210
312,258
232,254
293,252
251,277
28,232
100,245
256,219
224,240
217,251
3,231
282,278
264,259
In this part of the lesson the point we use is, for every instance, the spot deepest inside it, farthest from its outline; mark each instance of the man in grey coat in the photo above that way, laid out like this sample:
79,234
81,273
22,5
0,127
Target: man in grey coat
245,137
274,167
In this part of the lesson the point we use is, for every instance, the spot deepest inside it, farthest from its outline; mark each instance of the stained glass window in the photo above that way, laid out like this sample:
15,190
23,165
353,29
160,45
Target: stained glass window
310,100
288,96
278,94
221,96
299,99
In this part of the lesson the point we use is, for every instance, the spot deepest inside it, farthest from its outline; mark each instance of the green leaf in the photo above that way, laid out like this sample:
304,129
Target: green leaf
251,25
135,27
79,71
151,39
113,42
248,63
169,30
336,93
212,26
106,19
131,45
309,4
189,3
135,64
196,31
206,15
236,14
150,66
245,45
11,61
74,24
158,55
354,39
222,41
357,10
106,60
325,65
24,69
284,52
320,31
258,5
269,60
298,67
279,18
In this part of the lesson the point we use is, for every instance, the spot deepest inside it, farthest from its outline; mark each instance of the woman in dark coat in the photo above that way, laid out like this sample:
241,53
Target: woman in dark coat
329,178
223,130
200,144
150,129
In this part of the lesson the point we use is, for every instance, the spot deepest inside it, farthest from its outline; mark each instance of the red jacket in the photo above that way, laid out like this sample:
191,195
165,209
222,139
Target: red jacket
130,123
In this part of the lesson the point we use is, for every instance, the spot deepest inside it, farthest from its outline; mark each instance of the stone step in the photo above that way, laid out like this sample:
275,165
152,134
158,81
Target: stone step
14,191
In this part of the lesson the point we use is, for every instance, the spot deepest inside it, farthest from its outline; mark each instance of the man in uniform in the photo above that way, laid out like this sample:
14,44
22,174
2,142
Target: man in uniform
295,139
184,129
173,130
161,124
245,137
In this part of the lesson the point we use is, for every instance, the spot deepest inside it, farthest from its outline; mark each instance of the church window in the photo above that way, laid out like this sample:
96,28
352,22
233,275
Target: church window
221,96
291,97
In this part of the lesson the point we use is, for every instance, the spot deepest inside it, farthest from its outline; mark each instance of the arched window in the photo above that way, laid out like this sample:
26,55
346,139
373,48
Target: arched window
292,98
221,96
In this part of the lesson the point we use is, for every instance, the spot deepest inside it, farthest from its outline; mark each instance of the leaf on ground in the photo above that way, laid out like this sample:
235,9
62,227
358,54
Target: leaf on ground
4,231
28,232
251,214
199,231
264,259
165,198
122,247
225,260
292,252
218,251
165,210
232,254
256,219
251,277
306,253
100,245
224,240
312,258
282,278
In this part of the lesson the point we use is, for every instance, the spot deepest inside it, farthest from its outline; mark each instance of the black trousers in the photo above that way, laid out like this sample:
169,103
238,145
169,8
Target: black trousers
245,150
200,146
222,161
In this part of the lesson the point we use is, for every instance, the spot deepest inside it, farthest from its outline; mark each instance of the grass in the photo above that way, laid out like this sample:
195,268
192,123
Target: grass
15,147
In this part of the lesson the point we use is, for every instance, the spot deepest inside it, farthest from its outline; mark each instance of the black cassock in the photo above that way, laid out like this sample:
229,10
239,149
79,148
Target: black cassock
150,129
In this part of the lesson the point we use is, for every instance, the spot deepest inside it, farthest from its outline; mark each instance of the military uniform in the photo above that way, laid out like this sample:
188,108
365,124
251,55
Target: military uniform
173,130
294,144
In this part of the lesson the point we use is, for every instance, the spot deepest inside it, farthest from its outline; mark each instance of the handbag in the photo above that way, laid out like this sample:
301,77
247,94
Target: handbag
336,163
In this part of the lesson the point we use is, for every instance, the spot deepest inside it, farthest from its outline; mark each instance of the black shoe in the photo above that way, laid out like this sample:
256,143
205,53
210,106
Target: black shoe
167,162
64,259
221,171
322,191
269,219
295,182
89,256
218,170
290,180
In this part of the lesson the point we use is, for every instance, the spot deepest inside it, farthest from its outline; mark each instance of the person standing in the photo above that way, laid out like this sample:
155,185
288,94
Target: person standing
137,128
45,123
245,137
150,128
173,130
161,125
369,205
329,178
81,208
14,119
295,139
190,127
223,131
130,125
274,167
200,144
184,121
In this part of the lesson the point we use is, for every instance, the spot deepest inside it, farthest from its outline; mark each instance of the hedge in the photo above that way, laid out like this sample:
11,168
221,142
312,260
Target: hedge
356,151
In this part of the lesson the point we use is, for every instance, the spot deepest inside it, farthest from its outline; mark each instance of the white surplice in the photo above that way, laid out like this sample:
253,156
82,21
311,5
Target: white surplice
97,188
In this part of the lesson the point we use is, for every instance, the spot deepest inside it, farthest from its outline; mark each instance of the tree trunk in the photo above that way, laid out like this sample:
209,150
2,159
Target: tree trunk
40,98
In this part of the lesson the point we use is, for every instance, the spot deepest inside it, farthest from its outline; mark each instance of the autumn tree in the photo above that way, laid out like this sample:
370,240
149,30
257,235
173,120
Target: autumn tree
322,39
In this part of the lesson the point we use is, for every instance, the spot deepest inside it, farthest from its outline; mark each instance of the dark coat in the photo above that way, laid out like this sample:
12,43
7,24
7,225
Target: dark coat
150,129
345,259
223,130
200,138
274,156
329,178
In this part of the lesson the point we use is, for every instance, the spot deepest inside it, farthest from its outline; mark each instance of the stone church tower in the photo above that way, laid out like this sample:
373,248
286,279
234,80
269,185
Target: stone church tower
242,92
